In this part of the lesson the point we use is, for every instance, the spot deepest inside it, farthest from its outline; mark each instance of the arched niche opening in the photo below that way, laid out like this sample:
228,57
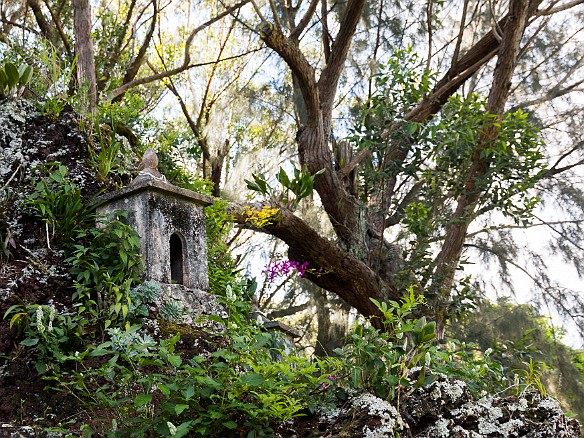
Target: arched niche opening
176,259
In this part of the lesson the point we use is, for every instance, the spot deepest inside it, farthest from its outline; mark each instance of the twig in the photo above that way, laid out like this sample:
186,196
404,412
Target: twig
11,178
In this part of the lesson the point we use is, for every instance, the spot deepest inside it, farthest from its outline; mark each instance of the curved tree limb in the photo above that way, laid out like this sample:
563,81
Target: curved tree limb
304,20
114,55
186,64
42,22
449,255
139,59
329,267
60,31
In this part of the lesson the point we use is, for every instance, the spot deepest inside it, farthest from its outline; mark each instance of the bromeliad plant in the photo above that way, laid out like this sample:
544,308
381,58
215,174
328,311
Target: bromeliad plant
13,79
301,185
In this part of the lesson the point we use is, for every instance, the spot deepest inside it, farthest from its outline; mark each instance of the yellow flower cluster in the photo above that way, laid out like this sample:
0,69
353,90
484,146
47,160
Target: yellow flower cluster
260,218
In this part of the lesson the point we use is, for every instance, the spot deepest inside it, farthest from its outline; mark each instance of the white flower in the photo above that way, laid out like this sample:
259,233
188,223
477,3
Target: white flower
52,313
488,352
399,334
229,293
259,321
39,319
427,358
171,428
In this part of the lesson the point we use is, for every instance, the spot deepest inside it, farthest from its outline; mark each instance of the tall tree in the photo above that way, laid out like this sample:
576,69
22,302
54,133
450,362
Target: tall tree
429,162
84,50
362,263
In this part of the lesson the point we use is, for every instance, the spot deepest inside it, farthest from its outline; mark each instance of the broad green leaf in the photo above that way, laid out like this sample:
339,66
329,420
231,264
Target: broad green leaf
252,379
230,424
12,74
179,408
175,360
29,342
164,389
25,75
282,177
142,399
17,317
189,392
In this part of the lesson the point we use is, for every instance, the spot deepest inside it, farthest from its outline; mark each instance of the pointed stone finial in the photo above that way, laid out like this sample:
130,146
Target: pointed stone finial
149,166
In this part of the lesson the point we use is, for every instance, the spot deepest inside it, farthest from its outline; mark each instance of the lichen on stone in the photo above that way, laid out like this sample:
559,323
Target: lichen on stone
387,414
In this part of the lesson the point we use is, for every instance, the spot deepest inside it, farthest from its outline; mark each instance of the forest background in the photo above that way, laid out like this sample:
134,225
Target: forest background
388,145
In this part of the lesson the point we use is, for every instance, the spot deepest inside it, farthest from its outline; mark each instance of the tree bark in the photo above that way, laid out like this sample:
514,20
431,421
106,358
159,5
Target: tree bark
140,57
318,98
84,50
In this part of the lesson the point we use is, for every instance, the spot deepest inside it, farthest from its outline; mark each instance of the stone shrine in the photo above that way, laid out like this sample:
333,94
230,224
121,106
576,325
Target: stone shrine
173,242
171,224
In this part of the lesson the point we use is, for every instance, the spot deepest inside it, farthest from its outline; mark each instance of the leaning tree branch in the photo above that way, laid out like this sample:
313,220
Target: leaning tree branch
454,61
328,266
44,26
172,72
562,235
280,313
304,20
59,27
521,227
477,56
348,168
298,64
186,64
139,59
564,7
554,170
329,79
447,259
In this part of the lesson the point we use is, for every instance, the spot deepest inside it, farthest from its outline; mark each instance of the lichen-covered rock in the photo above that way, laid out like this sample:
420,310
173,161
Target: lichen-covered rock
442,409
363,415
11,431
426,404
446,409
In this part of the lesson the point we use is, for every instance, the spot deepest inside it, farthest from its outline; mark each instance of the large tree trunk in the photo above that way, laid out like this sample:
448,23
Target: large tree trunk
84,49
448,258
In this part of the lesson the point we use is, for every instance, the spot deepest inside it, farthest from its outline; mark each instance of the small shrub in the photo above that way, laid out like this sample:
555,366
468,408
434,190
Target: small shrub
54,336
106,268
378,361
57,201
147,388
